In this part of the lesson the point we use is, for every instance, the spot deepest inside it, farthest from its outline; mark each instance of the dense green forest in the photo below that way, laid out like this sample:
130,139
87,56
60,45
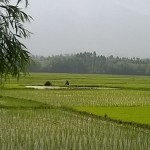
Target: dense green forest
90,63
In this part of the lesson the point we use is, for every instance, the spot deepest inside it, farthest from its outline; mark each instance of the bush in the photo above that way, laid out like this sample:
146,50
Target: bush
47,83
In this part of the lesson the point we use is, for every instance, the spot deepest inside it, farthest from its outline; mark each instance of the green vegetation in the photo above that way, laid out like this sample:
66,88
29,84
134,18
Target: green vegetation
71,118
122,81
127,114
14,56
11,102
90,63
57,129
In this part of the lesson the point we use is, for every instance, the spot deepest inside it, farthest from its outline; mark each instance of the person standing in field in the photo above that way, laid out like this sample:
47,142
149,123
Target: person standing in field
67,82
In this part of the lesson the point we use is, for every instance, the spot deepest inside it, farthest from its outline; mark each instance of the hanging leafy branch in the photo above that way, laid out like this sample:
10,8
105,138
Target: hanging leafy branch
14,56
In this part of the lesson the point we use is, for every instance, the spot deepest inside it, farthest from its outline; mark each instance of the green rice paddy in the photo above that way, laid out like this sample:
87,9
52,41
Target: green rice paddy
127,114
96,112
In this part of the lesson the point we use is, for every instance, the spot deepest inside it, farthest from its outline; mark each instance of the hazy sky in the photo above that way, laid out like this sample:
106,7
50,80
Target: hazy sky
109,27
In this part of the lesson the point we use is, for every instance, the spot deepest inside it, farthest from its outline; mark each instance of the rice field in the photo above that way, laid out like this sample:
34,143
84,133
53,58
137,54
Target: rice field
83,97
55,129
136,114
45,119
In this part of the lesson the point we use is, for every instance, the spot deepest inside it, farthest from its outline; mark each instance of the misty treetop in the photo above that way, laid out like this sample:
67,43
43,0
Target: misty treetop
90,63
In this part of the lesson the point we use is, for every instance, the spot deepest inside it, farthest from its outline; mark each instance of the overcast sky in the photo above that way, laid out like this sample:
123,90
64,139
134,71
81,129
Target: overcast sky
109,27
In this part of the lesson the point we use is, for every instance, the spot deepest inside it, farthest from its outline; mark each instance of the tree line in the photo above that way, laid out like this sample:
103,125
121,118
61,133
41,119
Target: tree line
87,62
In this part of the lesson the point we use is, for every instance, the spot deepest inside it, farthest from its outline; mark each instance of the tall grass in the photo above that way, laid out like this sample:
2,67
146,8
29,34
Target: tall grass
55,129
84,97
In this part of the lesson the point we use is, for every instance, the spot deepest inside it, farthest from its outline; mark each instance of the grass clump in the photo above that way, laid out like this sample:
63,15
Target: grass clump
47,83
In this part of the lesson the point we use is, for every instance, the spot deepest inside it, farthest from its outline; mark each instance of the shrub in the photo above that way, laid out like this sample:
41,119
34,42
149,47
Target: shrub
47,83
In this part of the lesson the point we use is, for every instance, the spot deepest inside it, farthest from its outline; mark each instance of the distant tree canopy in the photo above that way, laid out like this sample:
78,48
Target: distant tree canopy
13,53
90,63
